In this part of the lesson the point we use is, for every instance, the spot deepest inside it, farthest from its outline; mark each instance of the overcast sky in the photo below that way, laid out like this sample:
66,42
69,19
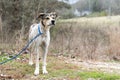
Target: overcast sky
73,1
70,1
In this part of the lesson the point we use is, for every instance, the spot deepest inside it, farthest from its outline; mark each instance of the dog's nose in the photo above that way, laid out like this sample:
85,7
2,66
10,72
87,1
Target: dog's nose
53,22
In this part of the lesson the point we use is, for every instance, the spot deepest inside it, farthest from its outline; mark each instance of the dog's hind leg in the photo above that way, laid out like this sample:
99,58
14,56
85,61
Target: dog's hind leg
37,61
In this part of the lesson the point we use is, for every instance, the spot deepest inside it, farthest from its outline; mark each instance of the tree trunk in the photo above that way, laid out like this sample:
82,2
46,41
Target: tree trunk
110,8
1,32
0,21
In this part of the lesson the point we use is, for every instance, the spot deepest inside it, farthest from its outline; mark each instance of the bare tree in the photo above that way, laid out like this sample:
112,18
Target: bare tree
0,20
110,7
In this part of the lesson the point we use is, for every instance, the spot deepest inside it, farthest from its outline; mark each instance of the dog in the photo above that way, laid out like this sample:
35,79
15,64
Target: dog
46,21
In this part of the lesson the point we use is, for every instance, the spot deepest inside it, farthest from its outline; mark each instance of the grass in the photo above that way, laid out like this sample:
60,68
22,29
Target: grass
58,70
88,38
96,28
100,75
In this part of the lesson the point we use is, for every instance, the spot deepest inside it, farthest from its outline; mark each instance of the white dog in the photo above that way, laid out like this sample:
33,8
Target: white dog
46,21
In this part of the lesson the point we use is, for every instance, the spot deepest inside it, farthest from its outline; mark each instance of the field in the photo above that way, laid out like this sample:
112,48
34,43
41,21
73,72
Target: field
80,49
88,38
59,69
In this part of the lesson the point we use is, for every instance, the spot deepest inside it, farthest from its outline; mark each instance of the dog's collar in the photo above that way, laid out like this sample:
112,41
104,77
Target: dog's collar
39,29
43,23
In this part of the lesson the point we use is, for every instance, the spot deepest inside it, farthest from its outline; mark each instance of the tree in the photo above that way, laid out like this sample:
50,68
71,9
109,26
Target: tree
19,14
108,6
0,20
97,6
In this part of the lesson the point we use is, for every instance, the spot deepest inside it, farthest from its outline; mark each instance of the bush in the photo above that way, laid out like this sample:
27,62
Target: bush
68,15
98,14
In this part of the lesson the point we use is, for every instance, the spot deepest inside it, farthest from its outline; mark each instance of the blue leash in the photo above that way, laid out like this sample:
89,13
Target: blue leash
14,57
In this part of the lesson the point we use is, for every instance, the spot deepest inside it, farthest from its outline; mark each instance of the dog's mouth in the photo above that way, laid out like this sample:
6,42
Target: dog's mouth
51,25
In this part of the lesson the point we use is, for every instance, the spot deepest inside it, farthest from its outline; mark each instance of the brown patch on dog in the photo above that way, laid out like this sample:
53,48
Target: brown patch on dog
45,17
41,16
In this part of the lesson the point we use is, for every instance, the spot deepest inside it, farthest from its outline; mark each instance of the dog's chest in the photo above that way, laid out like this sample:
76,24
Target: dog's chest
45,37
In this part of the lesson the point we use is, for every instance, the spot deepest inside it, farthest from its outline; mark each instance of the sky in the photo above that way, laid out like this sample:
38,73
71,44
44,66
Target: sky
70,1
73,1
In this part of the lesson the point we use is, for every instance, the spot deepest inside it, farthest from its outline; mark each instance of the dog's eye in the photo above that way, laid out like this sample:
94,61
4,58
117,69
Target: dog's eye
47,18
53,17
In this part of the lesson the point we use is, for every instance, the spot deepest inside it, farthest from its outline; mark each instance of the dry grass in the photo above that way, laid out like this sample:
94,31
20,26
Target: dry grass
88,38
84,38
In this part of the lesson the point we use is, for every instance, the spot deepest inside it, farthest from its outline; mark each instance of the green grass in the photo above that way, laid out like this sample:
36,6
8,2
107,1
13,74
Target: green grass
57,69
73,74
3,57
100,75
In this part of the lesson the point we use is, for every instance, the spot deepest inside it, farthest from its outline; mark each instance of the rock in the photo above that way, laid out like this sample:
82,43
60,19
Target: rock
2,76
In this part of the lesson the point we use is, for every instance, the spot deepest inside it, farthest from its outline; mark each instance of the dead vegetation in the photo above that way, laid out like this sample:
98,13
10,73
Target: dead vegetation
88,38
85,38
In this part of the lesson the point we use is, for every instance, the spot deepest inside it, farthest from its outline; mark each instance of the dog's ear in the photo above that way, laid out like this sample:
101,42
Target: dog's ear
41,16
54,14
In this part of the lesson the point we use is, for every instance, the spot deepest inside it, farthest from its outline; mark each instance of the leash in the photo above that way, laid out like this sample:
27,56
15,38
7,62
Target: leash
29,42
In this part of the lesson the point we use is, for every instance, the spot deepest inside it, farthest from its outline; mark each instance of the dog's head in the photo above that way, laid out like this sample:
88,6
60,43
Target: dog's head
47,19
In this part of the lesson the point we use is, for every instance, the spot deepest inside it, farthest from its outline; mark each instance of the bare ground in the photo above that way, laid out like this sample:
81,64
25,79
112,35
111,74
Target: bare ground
111,67
107,67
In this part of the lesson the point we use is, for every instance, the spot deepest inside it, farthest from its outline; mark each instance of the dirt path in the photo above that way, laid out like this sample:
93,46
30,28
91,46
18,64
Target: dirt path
111,67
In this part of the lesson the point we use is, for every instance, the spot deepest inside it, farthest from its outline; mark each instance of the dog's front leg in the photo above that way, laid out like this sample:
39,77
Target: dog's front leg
37,61
30,59
44,59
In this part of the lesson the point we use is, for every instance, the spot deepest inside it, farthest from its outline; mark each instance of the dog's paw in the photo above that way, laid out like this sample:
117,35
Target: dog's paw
45,72
36,73
30,63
